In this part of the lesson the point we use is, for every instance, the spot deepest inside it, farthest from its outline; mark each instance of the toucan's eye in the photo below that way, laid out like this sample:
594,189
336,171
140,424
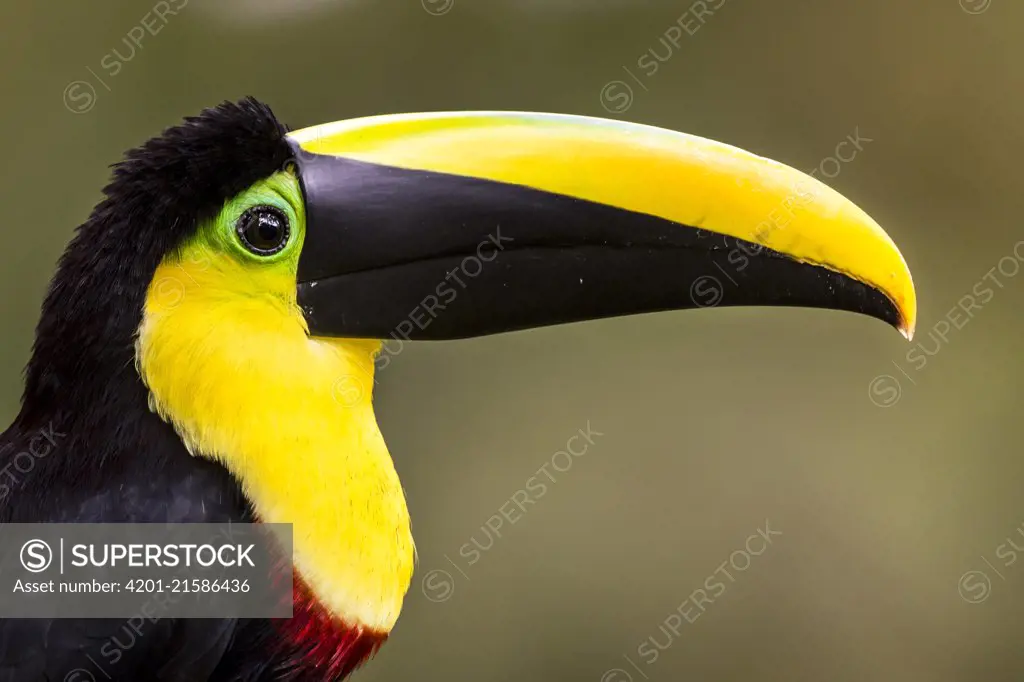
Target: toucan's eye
263,230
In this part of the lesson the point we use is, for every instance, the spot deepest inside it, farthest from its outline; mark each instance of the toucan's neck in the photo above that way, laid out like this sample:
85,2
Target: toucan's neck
292,419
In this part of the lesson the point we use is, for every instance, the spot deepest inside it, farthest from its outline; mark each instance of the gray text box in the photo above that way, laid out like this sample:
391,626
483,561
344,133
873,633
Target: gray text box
111,570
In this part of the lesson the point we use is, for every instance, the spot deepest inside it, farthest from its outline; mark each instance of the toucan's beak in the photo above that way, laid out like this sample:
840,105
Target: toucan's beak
449,225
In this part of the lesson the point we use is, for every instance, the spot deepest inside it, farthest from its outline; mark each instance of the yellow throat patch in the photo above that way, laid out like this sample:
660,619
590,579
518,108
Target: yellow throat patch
226,356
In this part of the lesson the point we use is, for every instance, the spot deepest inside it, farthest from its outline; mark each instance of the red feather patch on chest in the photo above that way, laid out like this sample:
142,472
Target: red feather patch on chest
325,643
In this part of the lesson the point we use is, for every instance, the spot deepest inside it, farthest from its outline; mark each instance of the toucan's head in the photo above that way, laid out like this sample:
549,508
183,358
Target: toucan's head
248,274
451,225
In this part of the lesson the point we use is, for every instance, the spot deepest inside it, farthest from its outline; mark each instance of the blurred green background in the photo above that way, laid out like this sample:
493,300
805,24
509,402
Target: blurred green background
896,486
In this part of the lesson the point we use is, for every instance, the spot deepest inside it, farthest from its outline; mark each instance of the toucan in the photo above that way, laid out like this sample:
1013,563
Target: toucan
192,342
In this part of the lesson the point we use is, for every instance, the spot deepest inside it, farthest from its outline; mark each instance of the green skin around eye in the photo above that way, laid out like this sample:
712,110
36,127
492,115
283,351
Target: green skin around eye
218,237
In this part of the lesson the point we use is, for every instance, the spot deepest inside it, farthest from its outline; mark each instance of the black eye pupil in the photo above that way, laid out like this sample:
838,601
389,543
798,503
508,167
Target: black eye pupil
263,230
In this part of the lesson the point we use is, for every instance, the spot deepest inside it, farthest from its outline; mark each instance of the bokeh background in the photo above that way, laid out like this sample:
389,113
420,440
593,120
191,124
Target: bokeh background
892,489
